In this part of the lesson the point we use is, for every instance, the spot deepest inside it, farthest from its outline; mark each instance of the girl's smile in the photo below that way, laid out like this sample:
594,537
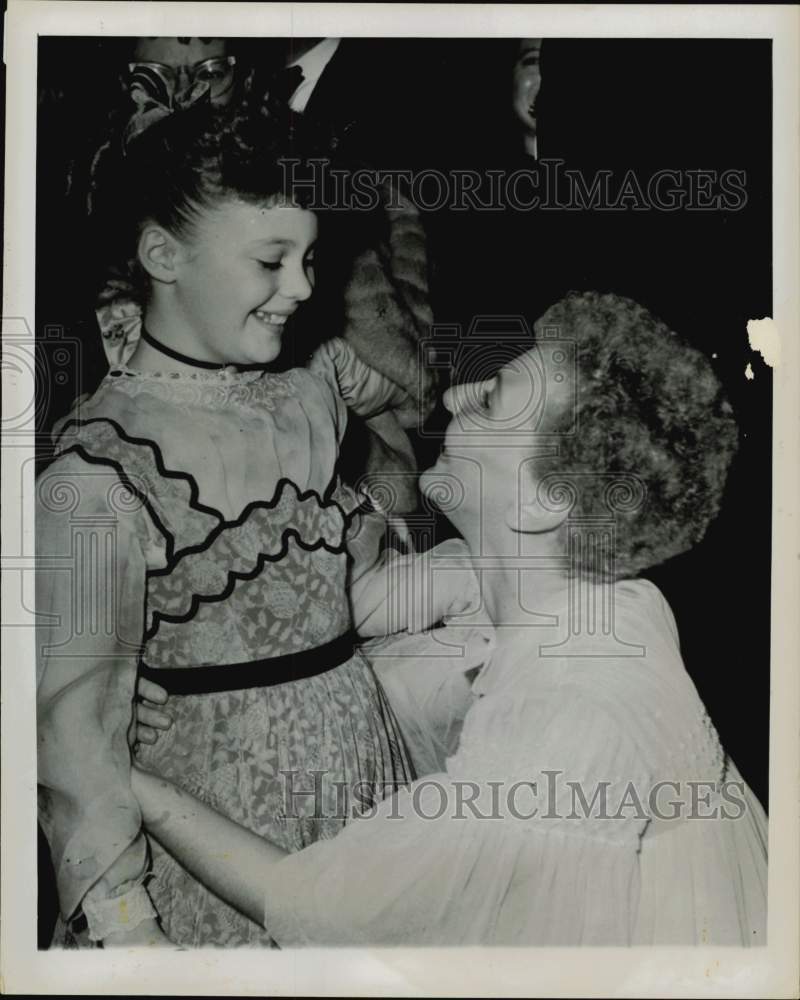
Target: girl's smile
274,321
231,285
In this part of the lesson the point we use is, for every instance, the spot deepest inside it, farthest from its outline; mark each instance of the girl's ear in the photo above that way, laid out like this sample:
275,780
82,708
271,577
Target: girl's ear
158,253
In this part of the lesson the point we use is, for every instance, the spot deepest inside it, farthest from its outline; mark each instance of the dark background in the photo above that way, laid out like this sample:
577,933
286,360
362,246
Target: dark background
650,105
605,104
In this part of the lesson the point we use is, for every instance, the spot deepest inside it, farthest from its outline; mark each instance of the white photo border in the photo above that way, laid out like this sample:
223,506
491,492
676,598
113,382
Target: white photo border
643,972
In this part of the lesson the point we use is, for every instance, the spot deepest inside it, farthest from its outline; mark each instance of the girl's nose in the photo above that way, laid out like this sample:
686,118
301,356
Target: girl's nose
297,283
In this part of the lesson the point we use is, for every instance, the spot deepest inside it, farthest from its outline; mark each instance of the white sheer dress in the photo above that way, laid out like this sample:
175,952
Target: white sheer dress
587,802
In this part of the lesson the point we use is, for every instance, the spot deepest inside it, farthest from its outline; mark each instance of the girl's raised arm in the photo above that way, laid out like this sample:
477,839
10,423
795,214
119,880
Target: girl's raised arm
390,592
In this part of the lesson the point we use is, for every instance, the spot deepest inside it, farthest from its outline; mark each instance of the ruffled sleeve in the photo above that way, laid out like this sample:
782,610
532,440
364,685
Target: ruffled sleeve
385,456
392,593
498,850
364,389
93,546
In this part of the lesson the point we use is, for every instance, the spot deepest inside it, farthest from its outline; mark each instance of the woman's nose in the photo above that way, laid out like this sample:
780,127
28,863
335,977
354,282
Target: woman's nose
463,396
450,399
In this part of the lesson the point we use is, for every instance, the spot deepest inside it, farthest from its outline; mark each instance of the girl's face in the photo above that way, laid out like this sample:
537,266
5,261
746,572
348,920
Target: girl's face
239,278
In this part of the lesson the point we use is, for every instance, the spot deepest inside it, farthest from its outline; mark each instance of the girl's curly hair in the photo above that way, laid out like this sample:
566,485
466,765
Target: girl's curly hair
189,161
647,407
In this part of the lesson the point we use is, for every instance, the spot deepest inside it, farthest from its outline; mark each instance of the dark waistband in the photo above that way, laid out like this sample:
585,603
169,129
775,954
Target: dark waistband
256,673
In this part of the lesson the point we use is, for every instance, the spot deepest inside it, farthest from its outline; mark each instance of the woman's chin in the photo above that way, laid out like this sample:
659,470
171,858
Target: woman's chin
441,484
431,475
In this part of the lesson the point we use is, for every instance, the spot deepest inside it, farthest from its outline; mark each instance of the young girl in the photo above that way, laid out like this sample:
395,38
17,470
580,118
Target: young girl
192,528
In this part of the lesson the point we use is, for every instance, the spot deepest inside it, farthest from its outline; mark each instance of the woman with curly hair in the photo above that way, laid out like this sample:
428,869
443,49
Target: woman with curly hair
588,800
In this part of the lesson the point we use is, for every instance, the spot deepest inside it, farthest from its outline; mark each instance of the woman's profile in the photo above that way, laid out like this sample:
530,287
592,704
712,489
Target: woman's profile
589,800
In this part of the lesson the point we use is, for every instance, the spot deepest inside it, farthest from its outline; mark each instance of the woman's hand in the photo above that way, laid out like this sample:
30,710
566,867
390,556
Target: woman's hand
150,716
228,859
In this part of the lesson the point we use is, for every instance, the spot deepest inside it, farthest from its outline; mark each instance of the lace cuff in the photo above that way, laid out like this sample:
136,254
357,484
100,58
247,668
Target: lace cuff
118,913
461,590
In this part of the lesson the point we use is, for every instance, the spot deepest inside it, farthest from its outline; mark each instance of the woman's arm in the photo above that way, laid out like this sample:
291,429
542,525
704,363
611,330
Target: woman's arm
228,859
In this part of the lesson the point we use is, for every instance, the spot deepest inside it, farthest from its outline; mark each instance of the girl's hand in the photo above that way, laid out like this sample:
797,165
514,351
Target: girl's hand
150,714
461,590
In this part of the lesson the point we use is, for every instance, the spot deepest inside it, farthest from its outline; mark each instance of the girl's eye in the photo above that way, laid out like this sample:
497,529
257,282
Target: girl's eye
270,265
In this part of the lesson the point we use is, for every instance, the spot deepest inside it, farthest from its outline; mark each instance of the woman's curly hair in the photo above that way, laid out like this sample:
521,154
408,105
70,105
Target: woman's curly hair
187,162
648,409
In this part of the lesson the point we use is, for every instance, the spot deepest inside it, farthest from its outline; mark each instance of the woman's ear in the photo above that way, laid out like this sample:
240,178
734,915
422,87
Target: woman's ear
534,518
158,253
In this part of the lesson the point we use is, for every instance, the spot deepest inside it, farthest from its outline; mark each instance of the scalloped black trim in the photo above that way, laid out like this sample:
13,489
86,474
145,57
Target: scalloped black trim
78,449
234,576
173,556
194,491
237,522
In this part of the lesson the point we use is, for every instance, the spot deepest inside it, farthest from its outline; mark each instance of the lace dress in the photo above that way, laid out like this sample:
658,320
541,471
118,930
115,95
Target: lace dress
588,802
203,523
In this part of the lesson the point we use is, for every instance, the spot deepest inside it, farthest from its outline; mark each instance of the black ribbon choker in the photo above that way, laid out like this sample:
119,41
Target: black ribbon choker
148,338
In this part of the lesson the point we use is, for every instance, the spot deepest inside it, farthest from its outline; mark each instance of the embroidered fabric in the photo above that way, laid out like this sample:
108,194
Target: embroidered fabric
215,390
236,475
364,388
262,585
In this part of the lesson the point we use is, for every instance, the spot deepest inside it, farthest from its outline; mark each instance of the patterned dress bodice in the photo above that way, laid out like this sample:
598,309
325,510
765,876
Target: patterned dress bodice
242,517
202,517
269,583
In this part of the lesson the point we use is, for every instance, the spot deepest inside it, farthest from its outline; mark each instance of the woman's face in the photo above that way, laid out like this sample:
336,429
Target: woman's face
182,63
527,83
239,279
498,425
